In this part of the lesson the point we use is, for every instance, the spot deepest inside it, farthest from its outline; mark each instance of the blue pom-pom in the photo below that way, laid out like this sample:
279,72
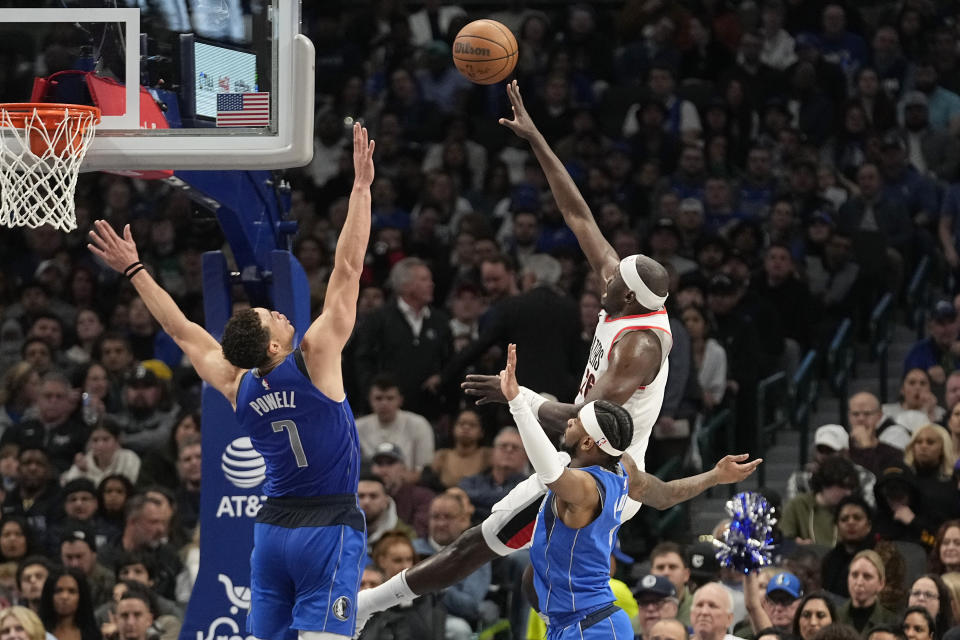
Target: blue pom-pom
748,544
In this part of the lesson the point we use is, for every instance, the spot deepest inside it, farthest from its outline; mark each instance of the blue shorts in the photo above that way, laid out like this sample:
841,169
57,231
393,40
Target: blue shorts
612,627
304,579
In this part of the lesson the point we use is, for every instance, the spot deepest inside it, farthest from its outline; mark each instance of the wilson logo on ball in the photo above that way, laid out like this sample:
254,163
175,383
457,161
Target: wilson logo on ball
467,48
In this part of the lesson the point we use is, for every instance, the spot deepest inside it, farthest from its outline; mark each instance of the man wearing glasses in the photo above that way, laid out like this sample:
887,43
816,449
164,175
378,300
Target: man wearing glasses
657,598
777,607
508,468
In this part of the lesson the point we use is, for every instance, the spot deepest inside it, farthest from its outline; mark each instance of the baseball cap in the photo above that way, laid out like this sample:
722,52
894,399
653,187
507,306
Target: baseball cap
702,561
651,585
388,450
943,311
915,99
786,582
833,436
142,377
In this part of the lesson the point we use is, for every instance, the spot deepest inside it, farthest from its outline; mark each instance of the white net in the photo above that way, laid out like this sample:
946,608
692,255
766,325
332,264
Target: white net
41,150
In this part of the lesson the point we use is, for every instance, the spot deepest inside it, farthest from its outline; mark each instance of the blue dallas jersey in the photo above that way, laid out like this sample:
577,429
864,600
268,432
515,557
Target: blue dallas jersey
308,441
572,566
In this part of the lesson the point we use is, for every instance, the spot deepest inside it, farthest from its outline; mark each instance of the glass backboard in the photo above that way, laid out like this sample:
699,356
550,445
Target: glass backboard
182,84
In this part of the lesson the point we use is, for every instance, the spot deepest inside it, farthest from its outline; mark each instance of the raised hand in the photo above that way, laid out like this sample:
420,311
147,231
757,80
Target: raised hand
521,124
508,377
119,253
730,471
486,389
362,157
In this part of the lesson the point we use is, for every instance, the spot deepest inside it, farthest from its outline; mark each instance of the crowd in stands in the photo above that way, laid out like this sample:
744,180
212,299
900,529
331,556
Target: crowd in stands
788,161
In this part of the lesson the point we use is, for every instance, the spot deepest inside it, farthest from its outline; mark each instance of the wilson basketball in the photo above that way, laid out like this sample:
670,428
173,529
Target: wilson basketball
485,51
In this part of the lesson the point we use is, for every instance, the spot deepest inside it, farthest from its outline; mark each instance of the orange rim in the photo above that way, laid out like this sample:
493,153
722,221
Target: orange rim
50,113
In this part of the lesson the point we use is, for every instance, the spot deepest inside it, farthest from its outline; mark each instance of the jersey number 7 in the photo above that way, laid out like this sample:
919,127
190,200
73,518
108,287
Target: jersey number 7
294,436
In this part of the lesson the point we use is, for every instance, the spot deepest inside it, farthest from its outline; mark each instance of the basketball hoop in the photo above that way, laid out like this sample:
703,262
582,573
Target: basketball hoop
40,158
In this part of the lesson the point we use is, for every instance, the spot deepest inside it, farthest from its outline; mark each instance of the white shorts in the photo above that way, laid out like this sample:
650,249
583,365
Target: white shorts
509,527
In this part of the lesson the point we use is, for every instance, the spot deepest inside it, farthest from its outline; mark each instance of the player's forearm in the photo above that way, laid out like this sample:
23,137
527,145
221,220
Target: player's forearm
663,495
352,243
540,450
569,200
161,306
553,416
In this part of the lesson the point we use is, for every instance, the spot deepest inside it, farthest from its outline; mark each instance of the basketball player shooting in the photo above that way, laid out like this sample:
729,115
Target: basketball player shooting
627,366
309,538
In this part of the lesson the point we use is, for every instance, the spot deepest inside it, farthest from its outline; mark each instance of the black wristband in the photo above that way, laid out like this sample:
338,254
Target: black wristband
126,271
135,272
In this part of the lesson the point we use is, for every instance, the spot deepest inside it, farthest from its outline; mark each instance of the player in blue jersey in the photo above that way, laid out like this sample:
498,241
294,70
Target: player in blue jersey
576,527
310,536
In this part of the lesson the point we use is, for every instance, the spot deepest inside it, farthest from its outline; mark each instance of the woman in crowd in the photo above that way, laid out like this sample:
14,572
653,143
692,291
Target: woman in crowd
160,466
66,608
931,593
104,456
814,613
17,540
20,623
467,457
865,580
89,329
709,358
113,492
953,426
18,393
945,556
854,534
930,455
918,624
951,580
917,404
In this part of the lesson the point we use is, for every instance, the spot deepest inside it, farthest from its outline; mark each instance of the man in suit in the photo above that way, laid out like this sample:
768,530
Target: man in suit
406,335
542,321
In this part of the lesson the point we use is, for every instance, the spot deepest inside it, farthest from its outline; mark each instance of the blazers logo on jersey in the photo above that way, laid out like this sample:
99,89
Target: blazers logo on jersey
596,354
341,608
243,465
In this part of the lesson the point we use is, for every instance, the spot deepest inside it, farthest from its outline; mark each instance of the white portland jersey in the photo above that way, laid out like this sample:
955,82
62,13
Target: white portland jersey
645,403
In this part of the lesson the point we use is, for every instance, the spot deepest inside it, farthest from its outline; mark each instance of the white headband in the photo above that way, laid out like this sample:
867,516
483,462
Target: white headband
647,299
588,416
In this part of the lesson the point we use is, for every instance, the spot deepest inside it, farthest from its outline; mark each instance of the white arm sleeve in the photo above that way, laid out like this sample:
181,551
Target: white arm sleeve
533,399
540,451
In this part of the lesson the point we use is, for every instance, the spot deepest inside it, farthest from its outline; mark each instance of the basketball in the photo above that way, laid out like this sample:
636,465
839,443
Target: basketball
485,51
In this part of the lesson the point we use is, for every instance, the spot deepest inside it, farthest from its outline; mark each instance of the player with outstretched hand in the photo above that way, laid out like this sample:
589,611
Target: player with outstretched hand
310,536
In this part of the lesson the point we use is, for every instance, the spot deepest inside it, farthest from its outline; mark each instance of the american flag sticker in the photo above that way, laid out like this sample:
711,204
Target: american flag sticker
243,109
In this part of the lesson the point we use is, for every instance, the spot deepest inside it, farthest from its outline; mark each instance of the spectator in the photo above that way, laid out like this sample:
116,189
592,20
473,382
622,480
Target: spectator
928,151
463,601
389,423
917,405
188,492
935,353
657,600
930,455
712,612
809,516
139,568
406,335
113,493
778,606
135,614
667,560
508,468
899,514
66,607
380,511
467,457
943,105
854,534
17,539
815,612
37,498
20,623
777,50
32,573
104,456
709,358
114,352
19,391
159,466
54,429
668,629
829,440
411,501
78,551
551,367
80,505
149,411
781,286
865,581
147,340
840,46
880,110
664,240
918,624
930,593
